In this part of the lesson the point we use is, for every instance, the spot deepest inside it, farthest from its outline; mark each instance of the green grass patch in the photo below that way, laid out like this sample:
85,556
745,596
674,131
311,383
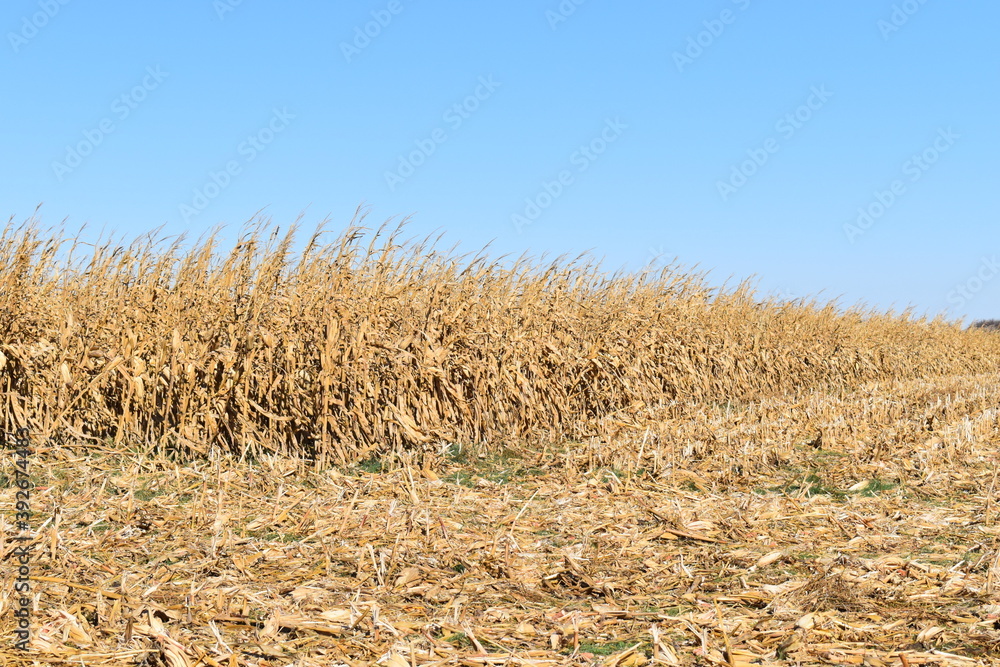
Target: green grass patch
503,467
372,466
814,485
610,475
875,487
811,485
459,454
607,648
460,478
279,537
669,611
145,495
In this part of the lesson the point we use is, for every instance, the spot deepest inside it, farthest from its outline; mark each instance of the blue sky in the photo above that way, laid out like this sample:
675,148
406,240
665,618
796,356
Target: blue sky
848,149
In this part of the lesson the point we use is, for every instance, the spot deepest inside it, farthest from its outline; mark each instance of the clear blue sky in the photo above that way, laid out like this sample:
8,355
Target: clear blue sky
743,136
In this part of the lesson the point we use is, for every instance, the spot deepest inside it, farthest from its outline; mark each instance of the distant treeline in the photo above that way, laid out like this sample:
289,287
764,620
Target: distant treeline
986,324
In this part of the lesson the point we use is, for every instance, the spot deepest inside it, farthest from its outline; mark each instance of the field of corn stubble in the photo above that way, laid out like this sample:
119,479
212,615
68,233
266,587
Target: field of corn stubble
370,450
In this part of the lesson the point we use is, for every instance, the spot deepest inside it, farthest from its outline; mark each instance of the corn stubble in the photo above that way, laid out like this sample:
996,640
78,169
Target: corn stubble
366,344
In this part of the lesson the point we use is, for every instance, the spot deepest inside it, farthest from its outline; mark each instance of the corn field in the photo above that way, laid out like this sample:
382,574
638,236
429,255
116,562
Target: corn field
398,455
365,343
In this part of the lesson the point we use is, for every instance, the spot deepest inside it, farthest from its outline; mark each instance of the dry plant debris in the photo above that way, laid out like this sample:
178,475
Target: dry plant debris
367,344
853,529
386,454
